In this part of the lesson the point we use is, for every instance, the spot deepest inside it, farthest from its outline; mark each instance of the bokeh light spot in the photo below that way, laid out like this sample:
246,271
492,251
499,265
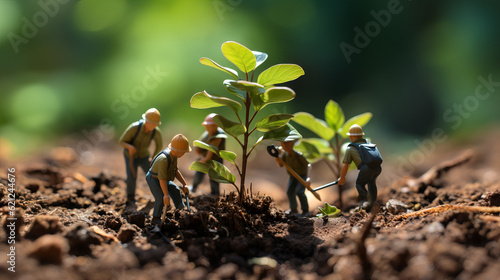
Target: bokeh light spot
9,18
35,108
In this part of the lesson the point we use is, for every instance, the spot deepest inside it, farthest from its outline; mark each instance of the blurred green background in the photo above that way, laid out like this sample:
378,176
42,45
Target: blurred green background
68,66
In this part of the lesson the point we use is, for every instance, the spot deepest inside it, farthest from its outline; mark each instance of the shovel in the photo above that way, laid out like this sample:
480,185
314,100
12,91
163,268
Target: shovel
325,186
271,149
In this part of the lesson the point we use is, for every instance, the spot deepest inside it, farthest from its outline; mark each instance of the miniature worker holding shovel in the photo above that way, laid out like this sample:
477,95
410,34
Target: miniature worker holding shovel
136,140
368,160
162,174
214,136
298,163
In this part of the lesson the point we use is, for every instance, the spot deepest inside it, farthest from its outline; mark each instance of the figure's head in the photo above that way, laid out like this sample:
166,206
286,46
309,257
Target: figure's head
287,146
209,123
355,132
179,146
152,118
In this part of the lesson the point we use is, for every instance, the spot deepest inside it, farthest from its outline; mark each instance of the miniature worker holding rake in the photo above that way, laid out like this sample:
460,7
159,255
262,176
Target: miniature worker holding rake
299,166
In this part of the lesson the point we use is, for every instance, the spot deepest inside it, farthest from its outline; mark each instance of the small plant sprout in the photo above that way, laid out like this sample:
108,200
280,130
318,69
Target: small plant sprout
329,211
332,132
251,98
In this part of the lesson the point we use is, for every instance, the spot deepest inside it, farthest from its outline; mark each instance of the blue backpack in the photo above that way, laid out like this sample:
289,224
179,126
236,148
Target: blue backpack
369,154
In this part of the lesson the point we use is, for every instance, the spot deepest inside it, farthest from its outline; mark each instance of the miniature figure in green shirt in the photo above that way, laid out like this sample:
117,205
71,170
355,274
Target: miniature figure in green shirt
163,172
136,140
368,160
301,166
214,136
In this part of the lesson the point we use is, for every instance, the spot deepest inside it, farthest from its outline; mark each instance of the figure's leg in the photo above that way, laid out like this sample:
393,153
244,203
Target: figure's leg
290,192
372,185
363,179
300,191
131,180
175,193
198,178
214,188
154,186
144,164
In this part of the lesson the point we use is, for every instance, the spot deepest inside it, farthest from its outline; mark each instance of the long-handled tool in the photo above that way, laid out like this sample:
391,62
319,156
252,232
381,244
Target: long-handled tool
187,202
325,186
271,149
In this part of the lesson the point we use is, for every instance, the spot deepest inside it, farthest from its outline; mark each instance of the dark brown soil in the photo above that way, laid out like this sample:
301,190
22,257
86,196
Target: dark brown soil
73,224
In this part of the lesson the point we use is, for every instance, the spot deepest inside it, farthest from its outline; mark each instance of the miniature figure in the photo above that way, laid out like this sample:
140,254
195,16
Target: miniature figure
298,164
214,136
368,160
162,174
136,140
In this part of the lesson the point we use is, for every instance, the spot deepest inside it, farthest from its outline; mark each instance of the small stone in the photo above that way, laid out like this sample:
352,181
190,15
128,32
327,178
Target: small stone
396,207
435,228
49,249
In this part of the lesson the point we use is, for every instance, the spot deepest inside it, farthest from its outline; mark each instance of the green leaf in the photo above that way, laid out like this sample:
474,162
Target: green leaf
234,129
211,63
200,166
360,120
232,89
208,147
330,211
240,56
248,86
273,122
334,115
280,73
275,95
255,91
321,145
227,155
203,100
315,125
310,151
260,57
219,173
285,133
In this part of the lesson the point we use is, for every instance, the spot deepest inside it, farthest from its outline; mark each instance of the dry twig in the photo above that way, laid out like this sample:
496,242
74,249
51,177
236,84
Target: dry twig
428,178
448,207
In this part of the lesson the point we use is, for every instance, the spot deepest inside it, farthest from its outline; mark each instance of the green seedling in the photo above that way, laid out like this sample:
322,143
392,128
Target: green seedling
329,211
250,98
332,131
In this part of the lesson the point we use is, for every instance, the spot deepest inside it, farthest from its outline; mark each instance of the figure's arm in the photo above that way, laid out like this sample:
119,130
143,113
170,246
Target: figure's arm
125,138
209,154
164,188
343,173
179,177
